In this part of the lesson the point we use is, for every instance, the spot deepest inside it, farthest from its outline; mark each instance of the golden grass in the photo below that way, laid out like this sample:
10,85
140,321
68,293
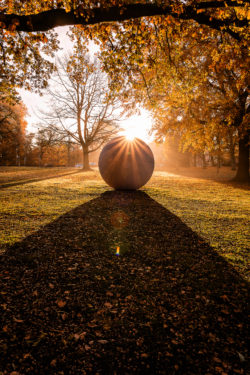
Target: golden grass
216,211
11,175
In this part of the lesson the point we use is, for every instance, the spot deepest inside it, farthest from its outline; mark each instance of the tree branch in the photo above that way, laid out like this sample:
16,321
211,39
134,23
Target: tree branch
47,20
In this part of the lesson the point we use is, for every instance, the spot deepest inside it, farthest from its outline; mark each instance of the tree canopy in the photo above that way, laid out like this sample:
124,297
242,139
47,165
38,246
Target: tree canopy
34,15
28,41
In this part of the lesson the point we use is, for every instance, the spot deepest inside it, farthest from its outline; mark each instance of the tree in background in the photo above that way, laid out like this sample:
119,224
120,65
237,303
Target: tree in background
45,139
45,149
19,148
81,105
12,133
28,149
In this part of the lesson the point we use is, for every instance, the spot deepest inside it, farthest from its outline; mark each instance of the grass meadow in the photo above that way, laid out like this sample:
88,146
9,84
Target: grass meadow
95,281
216,210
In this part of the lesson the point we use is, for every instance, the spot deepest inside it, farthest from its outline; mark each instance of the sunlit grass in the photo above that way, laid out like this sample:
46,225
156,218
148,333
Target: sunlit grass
25,208
11,175
217,212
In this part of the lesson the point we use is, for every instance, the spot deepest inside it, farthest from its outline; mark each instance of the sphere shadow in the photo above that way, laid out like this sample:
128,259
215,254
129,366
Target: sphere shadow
120,285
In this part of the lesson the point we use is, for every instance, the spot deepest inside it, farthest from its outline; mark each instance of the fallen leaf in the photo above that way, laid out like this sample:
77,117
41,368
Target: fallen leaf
61,303
108,305
103,341
18,320
53,362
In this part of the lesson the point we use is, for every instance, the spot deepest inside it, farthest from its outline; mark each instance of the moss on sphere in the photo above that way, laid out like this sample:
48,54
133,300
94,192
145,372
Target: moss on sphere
125,164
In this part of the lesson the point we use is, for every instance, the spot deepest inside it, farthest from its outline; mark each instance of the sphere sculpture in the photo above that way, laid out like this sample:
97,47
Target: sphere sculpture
126,165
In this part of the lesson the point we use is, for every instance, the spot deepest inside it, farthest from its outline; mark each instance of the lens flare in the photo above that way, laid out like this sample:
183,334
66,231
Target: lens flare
130,137
137,126
130,134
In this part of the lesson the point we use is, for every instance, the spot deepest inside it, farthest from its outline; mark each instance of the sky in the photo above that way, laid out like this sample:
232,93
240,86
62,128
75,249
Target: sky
137,125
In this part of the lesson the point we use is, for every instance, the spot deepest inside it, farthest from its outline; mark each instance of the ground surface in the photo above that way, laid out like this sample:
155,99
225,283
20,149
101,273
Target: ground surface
172,302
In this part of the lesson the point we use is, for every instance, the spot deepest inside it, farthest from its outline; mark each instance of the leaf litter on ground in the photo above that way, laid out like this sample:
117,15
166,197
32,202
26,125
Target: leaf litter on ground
168,304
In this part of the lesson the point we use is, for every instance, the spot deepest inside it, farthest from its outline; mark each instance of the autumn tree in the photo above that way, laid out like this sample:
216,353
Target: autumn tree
213,115
45,138
28,148
32,16
195,80
12,133
26,27
26,58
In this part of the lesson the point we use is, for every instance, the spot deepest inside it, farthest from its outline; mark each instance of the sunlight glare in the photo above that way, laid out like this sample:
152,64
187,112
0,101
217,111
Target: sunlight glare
129,134
137,127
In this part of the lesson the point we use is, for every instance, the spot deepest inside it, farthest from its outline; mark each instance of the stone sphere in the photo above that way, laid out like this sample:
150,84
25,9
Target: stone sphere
125,164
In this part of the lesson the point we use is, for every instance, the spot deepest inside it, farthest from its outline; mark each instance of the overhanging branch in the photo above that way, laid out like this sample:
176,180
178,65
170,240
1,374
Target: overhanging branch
47,20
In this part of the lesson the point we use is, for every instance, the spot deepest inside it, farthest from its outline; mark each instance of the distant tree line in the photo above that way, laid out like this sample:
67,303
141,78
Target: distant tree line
20,148
47,147
169,155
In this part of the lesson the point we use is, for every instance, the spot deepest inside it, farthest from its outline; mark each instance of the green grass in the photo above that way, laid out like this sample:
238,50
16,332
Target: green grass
25,208
12,175
216,211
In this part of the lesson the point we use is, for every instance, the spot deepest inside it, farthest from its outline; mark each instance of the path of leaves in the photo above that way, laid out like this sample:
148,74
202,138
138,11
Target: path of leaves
168,304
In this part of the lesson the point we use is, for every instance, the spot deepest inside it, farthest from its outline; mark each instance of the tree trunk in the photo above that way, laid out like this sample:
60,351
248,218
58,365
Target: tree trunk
204,164
18,161
219,160
218,153
40,157
195,160
86,166
68,154
242,174
232,151
212,161
232,159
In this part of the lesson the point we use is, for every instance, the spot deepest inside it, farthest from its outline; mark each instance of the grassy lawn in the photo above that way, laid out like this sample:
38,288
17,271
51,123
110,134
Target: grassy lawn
95,281
26,207
218,212
10,176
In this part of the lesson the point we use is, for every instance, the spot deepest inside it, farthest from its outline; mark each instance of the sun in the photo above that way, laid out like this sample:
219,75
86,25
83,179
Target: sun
137,127
130,134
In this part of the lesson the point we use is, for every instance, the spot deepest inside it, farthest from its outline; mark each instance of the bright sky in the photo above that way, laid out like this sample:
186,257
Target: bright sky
138,126
135,126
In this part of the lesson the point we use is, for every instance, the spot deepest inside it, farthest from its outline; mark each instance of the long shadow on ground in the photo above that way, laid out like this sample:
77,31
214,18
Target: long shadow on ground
29,181
120,285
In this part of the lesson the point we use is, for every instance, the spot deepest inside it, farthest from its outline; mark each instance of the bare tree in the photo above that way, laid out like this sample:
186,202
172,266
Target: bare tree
81,105
45,138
